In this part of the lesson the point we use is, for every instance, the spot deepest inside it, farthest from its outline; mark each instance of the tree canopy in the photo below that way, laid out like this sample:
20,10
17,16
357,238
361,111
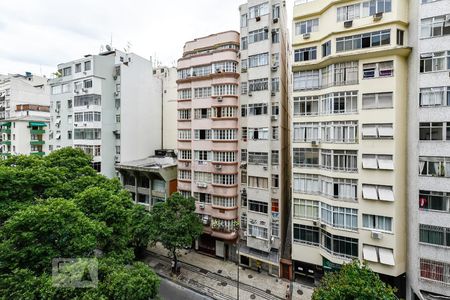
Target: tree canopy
59,207
354,281
175,224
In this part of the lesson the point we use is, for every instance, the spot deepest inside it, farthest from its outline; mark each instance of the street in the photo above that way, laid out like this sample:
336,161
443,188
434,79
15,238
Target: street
171,291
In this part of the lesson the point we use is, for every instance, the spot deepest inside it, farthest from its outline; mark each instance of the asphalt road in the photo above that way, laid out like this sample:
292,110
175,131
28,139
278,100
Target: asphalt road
171,291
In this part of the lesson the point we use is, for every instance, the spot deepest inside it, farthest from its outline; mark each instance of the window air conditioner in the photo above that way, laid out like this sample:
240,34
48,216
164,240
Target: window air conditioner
274,67
348,24
202,185
377,16
266,28
275,20
377,235
202,205
315,143
306,36
220,99
265,168
274,118
273,94
218,167
250,94
84,90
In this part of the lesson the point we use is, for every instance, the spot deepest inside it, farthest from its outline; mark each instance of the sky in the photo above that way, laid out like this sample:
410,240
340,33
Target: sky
35,36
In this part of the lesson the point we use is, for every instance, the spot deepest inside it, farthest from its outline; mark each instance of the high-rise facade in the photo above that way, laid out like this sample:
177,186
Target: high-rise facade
349,130
208,122
429,151
264,147
108,105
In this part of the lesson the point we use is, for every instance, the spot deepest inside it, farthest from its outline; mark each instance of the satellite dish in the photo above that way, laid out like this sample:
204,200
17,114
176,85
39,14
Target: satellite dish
108,47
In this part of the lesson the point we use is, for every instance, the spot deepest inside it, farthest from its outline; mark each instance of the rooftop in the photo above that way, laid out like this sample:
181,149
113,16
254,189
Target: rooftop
149,163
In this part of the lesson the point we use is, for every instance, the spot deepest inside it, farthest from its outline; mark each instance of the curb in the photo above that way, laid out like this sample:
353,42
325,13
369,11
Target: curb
183,285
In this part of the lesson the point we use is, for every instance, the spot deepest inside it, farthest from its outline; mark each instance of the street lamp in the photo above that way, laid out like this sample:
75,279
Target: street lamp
238,231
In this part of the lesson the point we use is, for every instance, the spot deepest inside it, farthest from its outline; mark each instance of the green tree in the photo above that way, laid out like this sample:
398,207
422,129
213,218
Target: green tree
354,281
175,224
55,228
141,233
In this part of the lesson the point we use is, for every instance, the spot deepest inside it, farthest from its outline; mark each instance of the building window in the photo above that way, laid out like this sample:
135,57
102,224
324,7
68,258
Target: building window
306,157
378,131
432,132
306,106
400,37
202,177
377,222
87,134
307,209
431,200
435,235
258,133
87,65
275,159
185,154
432,62
257,206
377,161
258,10
326,49
202,93
243,155
377,70
78,68
244,43
225,179
258,35
258,84
184,134
257,109
275,36
435,270
275,11
244,88
349,12
305,54
435,26
306,234
202,155
258,60
69,135
67,71
307,26
275,181
339,245
339,217
377,192
373,7
244,20
377,100
362,41
306,80
339,103
275,229
257,231
87,83
275,84
434,96
258,158
184,94
202,134
434,166
225,90
258,182
275,133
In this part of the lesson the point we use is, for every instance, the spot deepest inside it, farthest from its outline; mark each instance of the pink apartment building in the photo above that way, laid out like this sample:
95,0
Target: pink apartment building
208,140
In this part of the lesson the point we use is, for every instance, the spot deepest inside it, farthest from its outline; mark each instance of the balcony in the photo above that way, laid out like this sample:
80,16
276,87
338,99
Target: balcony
38,153
5,143
37,131
5,130
37,142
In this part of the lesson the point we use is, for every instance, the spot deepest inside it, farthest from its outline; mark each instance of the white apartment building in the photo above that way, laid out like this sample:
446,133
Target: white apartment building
108,105
264,139
24,114
168,77
349,137
429,151
16,89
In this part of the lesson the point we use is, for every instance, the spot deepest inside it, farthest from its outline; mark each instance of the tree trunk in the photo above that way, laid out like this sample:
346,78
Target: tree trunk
175,262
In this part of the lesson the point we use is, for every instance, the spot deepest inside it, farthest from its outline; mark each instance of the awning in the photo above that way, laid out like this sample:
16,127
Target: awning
386,256
369,192
385,131
369,161
369,131
38,124
5,124
370,253
385,162
386,193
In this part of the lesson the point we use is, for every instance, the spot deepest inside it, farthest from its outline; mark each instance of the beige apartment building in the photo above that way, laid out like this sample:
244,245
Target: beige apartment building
349,137
264,194
208,122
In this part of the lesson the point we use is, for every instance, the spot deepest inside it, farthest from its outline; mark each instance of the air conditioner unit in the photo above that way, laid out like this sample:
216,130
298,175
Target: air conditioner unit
202,185
250,94
377,235
84,90
218,71
315,223
244,70
57,110
115,77
323,226
202,205
219,99
315,143
274,67
265,168
377,16
76,91
306,36
218,167
266,28
273,94
348,24
275,20
274,118
205,221
116,94
258,18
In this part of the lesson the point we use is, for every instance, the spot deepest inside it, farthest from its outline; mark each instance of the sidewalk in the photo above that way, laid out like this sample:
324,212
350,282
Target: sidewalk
217,278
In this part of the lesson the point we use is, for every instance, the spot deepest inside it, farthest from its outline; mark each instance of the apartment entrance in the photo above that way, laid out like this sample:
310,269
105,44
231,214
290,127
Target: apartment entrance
207,244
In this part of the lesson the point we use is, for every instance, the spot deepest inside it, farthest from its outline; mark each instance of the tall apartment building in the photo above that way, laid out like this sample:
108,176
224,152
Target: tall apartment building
208,112
264,195
168,78
108,105
24,114
349,136
429,151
